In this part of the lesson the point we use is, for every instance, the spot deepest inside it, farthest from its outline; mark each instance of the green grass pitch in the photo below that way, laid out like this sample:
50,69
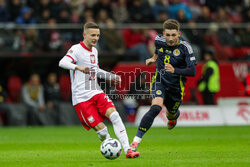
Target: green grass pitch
74,146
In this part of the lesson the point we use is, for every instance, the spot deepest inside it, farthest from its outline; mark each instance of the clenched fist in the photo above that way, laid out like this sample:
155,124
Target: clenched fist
83,69
169,68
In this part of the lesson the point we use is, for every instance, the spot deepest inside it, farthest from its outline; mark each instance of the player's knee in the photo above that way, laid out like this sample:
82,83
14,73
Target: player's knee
155,110
157,101
110,111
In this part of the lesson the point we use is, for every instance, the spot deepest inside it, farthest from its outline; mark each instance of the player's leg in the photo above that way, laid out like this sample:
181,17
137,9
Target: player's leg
172,119
158,94
173,111
90,118
118,126
147,121
107,109
120,131
102,131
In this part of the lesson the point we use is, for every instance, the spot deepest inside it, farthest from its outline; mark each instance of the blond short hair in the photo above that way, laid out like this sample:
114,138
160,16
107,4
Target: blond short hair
90,25
171,24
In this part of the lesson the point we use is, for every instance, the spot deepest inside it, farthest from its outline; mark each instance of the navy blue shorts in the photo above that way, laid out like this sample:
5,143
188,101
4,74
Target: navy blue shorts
172,97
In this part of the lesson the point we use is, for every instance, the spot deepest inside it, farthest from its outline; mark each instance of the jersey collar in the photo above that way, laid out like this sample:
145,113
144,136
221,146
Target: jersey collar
179,40
85,47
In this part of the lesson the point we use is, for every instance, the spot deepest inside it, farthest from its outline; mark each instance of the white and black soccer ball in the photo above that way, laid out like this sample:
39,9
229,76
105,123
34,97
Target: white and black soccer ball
111,148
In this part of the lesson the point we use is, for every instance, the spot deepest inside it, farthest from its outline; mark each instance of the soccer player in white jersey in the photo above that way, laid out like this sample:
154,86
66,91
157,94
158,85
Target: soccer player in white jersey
90,102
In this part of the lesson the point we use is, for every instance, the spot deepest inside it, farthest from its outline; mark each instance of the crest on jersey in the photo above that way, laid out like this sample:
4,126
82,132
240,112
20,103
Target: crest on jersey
158,92
176,52
92,59
70,51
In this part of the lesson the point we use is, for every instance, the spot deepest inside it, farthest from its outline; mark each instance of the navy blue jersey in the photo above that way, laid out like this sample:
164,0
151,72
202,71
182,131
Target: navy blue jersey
180,56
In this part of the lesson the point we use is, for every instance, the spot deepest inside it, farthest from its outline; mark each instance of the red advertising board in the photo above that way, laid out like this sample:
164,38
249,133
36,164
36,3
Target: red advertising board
231,77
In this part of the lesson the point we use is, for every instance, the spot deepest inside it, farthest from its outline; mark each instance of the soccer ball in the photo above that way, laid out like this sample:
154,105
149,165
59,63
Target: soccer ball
111,148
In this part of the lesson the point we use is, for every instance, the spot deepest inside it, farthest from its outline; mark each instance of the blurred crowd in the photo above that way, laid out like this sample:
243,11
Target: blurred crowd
43,99
123,11
229,43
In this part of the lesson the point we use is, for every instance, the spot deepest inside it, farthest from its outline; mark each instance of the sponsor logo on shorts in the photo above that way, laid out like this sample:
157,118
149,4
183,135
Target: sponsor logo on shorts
91,119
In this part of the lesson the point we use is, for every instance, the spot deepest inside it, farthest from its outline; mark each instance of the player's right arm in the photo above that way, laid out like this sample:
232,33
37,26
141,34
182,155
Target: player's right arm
69,62
160,41
151,60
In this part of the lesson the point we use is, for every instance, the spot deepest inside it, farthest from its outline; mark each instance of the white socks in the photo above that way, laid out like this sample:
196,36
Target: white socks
103,134
120,130
137,139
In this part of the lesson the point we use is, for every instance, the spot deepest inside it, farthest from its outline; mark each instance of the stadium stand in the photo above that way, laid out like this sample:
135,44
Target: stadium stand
14,89
64,82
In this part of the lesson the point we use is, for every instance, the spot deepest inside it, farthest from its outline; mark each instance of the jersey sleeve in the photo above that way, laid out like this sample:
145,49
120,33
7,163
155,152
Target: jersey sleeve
72,53
160,42
189,55
67,63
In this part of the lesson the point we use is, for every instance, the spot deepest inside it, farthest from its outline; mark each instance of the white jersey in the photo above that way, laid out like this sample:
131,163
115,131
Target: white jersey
83,86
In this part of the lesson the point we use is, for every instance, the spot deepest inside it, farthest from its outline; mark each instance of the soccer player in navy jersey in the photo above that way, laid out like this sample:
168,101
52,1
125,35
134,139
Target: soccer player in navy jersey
174,61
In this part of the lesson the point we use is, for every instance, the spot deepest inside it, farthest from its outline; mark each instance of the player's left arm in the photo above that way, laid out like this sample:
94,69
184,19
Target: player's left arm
189,71
102,74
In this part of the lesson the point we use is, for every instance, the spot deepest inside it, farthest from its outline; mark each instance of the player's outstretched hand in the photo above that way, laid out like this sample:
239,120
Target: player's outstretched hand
169,68
150,61
83,69
117,80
